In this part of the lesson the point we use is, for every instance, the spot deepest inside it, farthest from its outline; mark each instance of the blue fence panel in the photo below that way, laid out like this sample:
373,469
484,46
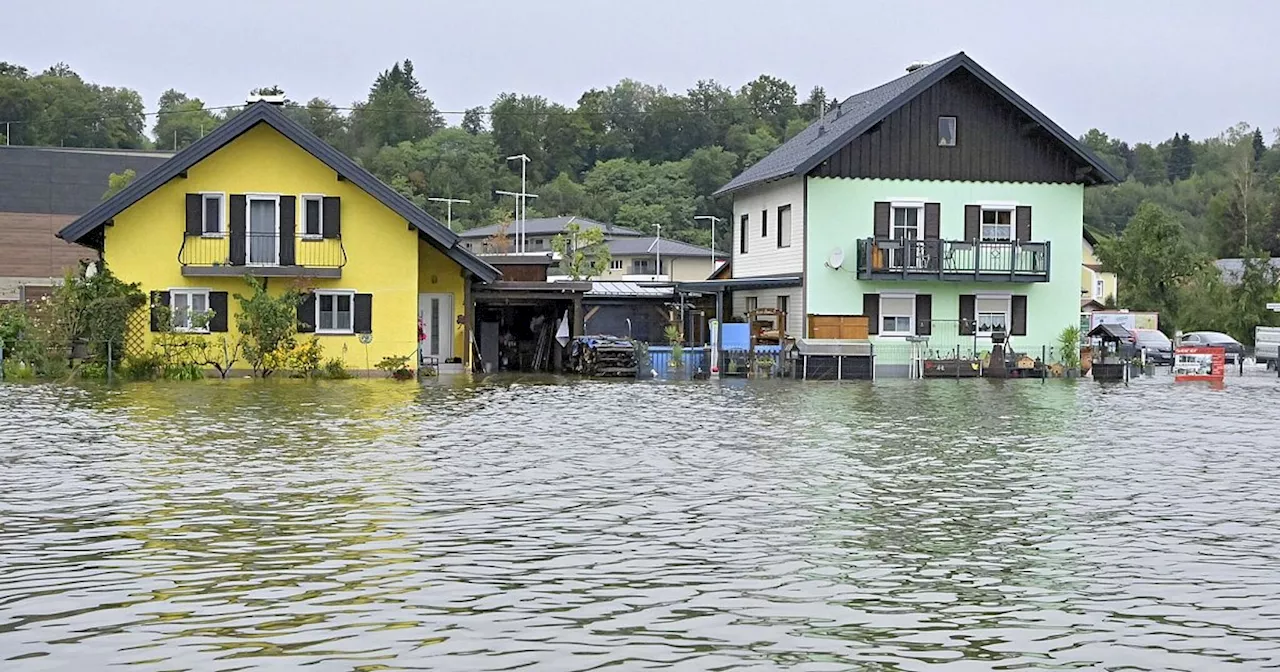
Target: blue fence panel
695,359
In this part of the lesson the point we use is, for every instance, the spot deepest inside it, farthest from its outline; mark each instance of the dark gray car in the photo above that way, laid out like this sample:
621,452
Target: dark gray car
1215,339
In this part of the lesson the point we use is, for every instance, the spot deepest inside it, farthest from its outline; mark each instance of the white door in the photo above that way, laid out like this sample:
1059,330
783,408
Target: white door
435,326
263,232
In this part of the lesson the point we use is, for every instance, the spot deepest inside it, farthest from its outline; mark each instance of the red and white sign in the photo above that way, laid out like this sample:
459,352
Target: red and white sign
1199,363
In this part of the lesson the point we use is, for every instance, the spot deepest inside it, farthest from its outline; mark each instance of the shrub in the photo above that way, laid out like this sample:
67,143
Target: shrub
147,366
301,360
1069,343
335,369
396,366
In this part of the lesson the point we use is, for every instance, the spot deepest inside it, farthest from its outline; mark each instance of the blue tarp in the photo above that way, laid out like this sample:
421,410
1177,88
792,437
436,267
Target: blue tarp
735,336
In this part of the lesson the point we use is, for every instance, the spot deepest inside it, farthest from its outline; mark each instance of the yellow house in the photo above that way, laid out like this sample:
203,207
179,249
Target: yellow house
1096,286
262,196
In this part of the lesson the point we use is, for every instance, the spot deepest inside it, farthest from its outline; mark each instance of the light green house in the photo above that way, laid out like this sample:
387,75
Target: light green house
941,206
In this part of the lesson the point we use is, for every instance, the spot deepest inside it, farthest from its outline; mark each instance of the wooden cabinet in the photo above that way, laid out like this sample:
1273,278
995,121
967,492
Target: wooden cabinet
840,327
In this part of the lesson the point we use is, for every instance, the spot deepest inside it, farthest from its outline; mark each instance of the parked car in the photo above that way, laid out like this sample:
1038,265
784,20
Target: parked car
1266,345
1233,349
1157,346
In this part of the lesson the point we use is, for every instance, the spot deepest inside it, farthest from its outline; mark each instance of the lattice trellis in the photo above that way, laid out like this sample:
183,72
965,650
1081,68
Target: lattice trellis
135,335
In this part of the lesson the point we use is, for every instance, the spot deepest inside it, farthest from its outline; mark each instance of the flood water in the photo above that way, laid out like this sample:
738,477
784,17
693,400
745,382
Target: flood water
568,525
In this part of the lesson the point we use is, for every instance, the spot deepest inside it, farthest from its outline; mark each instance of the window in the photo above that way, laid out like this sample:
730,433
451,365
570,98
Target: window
997,224
212,225
189,309
992,315
743,224
764,223
333,312
907,224
897,315
263,231
538,244
615,264
782,303
946,131
784,226
753,303
313,216
1099,288
640,267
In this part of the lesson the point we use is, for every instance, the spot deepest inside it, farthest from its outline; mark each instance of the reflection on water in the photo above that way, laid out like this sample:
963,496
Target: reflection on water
576,525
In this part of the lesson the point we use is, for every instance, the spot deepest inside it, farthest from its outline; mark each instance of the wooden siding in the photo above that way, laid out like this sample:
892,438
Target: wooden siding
763,256
29,248
995,142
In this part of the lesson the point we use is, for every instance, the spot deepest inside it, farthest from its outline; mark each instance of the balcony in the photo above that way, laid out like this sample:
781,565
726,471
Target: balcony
265,255
952,260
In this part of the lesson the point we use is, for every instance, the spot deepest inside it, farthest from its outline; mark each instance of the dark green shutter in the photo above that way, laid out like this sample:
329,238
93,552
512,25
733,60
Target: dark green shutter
924,314
1019,320
195,215
972,222
362,321
218,306
968,306
307,314
871,309
236,229
1023,214
159,300
332,225
288,219
881,213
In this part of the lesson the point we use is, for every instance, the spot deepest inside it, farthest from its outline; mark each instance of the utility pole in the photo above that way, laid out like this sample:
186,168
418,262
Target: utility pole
450,201
520,196
522,206
715,221
657,243
7,141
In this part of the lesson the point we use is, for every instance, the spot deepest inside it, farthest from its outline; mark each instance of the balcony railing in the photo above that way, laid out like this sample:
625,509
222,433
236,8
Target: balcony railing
952,260
262,254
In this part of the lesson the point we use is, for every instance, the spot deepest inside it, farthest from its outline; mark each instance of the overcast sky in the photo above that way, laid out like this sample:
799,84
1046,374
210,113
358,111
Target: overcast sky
1137,70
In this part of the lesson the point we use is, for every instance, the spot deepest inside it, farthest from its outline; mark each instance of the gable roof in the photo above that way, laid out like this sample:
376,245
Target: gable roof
64,180
262,112
650,245
859,112
549,226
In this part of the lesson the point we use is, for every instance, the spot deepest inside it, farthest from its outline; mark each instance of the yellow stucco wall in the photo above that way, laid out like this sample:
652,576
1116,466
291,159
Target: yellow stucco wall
438,274
1087,276
382,253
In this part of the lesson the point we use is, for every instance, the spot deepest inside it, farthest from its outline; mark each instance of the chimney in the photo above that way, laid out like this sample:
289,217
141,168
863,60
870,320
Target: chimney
271,100
822,130
916,65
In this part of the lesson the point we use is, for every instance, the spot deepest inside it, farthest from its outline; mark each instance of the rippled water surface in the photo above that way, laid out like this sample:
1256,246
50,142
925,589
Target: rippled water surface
951,525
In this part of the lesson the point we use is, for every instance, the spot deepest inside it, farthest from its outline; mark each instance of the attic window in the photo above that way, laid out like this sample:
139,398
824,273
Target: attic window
946,131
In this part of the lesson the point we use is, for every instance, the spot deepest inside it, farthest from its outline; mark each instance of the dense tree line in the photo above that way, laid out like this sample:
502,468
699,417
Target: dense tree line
634,154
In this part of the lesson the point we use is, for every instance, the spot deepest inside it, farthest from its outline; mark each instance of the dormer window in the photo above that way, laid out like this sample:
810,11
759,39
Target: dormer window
946,131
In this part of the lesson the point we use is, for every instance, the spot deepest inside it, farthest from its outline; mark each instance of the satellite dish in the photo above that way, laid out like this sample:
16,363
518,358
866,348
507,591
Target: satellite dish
836,258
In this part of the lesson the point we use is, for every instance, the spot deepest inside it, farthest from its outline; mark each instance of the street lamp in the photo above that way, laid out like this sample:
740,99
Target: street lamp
450,201
521,205
519,197
715,221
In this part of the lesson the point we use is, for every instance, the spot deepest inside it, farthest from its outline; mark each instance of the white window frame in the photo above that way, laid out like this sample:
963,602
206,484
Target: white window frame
248,228
221,198
998,207
911,318
351,293
304,199
188,292
917,205
616,265
1099,286
955,130
977,315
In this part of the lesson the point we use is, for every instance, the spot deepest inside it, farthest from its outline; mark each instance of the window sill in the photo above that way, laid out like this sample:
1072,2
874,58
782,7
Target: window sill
182,330
312,236
896,334
332,332
213,235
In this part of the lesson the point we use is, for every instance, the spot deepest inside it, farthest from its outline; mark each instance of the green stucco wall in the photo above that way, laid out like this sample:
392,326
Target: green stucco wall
840,211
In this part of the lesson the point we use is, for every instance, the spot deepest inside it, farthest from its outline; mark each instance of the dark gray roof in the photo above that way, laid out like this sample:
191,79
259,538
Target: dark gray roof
859,112
550,226
761,282
630,247
1110,332
1233,268
64,180
266,113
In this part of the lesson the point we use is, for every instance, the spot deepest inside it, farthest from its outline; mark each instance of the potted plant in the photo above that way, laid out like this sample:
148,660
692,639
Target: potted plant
1069,343
396,366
